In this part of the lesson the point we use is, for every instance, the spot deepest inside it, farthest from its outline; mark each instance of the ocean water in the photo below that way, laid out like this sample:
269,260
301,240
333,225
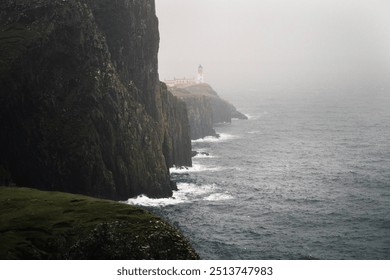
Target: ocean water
306,177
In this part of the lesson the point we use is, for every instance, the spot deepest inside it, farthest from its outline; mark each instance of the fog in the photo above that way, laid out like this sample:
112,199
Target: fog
254,45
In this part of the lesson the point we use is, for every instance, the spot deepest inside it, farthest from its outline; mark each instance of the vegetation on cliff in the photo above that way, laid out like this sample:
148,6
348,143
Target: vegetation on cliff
54,225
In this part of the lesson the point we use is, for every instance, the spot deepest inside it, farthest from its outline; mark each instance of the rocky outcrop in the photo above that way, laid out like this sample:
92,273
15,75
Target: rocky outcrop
200,113
205,108
81,107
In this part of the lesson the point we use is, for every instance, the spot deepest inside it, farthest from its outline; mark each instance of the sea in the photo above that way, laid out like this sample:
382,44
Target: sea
307,176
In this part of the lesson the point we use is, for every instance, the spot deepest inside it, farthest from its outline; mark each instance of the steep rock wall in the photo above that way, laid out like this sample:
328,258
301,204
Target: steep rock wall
79,98
177,141
200,113
133,41
131,31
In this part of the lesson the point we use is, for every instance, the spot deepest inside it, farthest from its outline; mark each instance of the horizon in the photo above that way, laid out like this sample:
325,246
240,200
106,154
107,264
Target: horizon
259,45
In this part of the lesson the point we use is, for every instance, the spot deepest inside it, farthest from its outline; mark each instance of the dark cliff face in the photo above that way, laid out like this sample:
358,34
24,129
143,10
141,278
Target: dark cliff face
205,108
131,31
80,102
177,141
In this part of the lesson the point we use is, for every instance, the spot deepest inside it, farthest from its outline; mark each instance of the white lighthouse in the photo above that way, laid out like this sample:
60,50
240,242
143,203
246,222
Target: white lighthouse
200,79
185,81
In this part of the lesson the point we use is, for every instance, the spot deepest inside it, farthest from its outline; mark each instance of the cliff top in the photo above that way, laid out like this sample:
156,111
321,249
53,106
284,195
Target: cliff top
55,225
193,90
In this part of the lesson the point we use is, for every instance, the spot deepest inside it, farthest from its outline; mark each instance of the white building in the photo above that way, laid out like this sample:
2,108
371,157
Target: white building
185,81
200,79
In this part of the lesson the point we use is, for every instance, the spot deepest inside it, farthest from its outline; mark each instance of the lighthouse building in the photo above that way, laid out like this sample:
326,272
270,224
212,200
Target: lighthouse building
185,81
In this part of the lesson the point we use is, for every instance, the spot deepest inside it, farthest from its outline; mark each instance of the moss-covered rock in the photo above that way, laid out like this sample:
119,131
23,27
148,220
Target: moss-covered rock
54,225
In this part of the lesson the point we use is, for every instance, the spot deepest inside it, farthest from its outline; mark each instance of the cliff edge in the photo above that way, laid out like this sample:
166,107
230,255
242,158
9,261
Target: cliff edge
81,106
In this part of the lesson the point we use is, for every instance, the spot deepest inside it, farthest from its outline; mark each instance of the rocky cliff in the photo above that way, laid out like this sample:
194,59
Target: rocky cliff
177,141
81,107
205,108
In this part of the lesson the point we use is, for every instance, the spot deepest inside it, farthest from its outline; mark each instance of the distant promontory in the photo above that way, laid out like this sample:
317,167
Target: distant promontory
205,108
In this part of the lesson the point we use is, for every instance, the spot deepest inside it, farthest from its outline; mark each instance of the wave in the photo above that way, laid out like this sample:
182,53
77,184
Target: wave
195,168
186,193
200,155
143,200
250,117
222,138
218,197
256,116
203,153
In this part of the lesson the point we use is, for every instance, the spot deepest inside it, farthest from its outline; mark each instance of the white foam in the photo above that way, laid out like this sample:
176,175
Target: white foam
186,193
239,168
146,201
254,132
218,197
194,190
203,156
222,138
195,168
256,116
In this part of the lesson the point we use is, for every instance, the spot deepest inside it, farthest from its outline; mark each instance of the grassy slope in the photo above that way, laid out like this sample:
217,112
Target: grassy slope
54,225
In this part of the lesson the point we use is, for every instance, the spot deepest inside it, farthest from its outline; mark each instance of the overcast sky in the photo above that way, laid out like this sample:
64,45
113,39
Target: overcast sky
250,43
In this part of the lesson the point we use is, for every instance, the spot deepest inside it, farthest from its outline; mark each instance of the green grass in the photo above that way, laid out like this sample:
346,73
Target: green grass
53,225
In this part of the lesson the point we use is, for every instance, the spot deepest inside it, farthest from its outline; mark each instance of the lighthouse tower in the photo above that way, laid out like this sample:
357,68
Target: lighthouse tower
200,79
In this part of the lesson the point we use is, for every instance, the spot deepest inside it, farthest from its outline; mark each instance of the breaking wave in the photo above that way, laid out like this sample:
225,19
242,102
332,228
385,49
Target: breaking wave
186,193
222,138
195,168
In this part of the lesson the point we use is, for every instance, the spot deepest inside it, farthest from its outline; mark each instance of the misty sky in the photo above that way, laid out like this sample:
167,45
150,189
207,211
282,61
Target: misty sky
253,43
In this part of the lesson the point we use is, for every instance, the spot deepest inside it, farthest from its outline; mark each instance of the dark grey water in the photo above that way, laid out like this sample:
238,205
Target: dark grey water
305,177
